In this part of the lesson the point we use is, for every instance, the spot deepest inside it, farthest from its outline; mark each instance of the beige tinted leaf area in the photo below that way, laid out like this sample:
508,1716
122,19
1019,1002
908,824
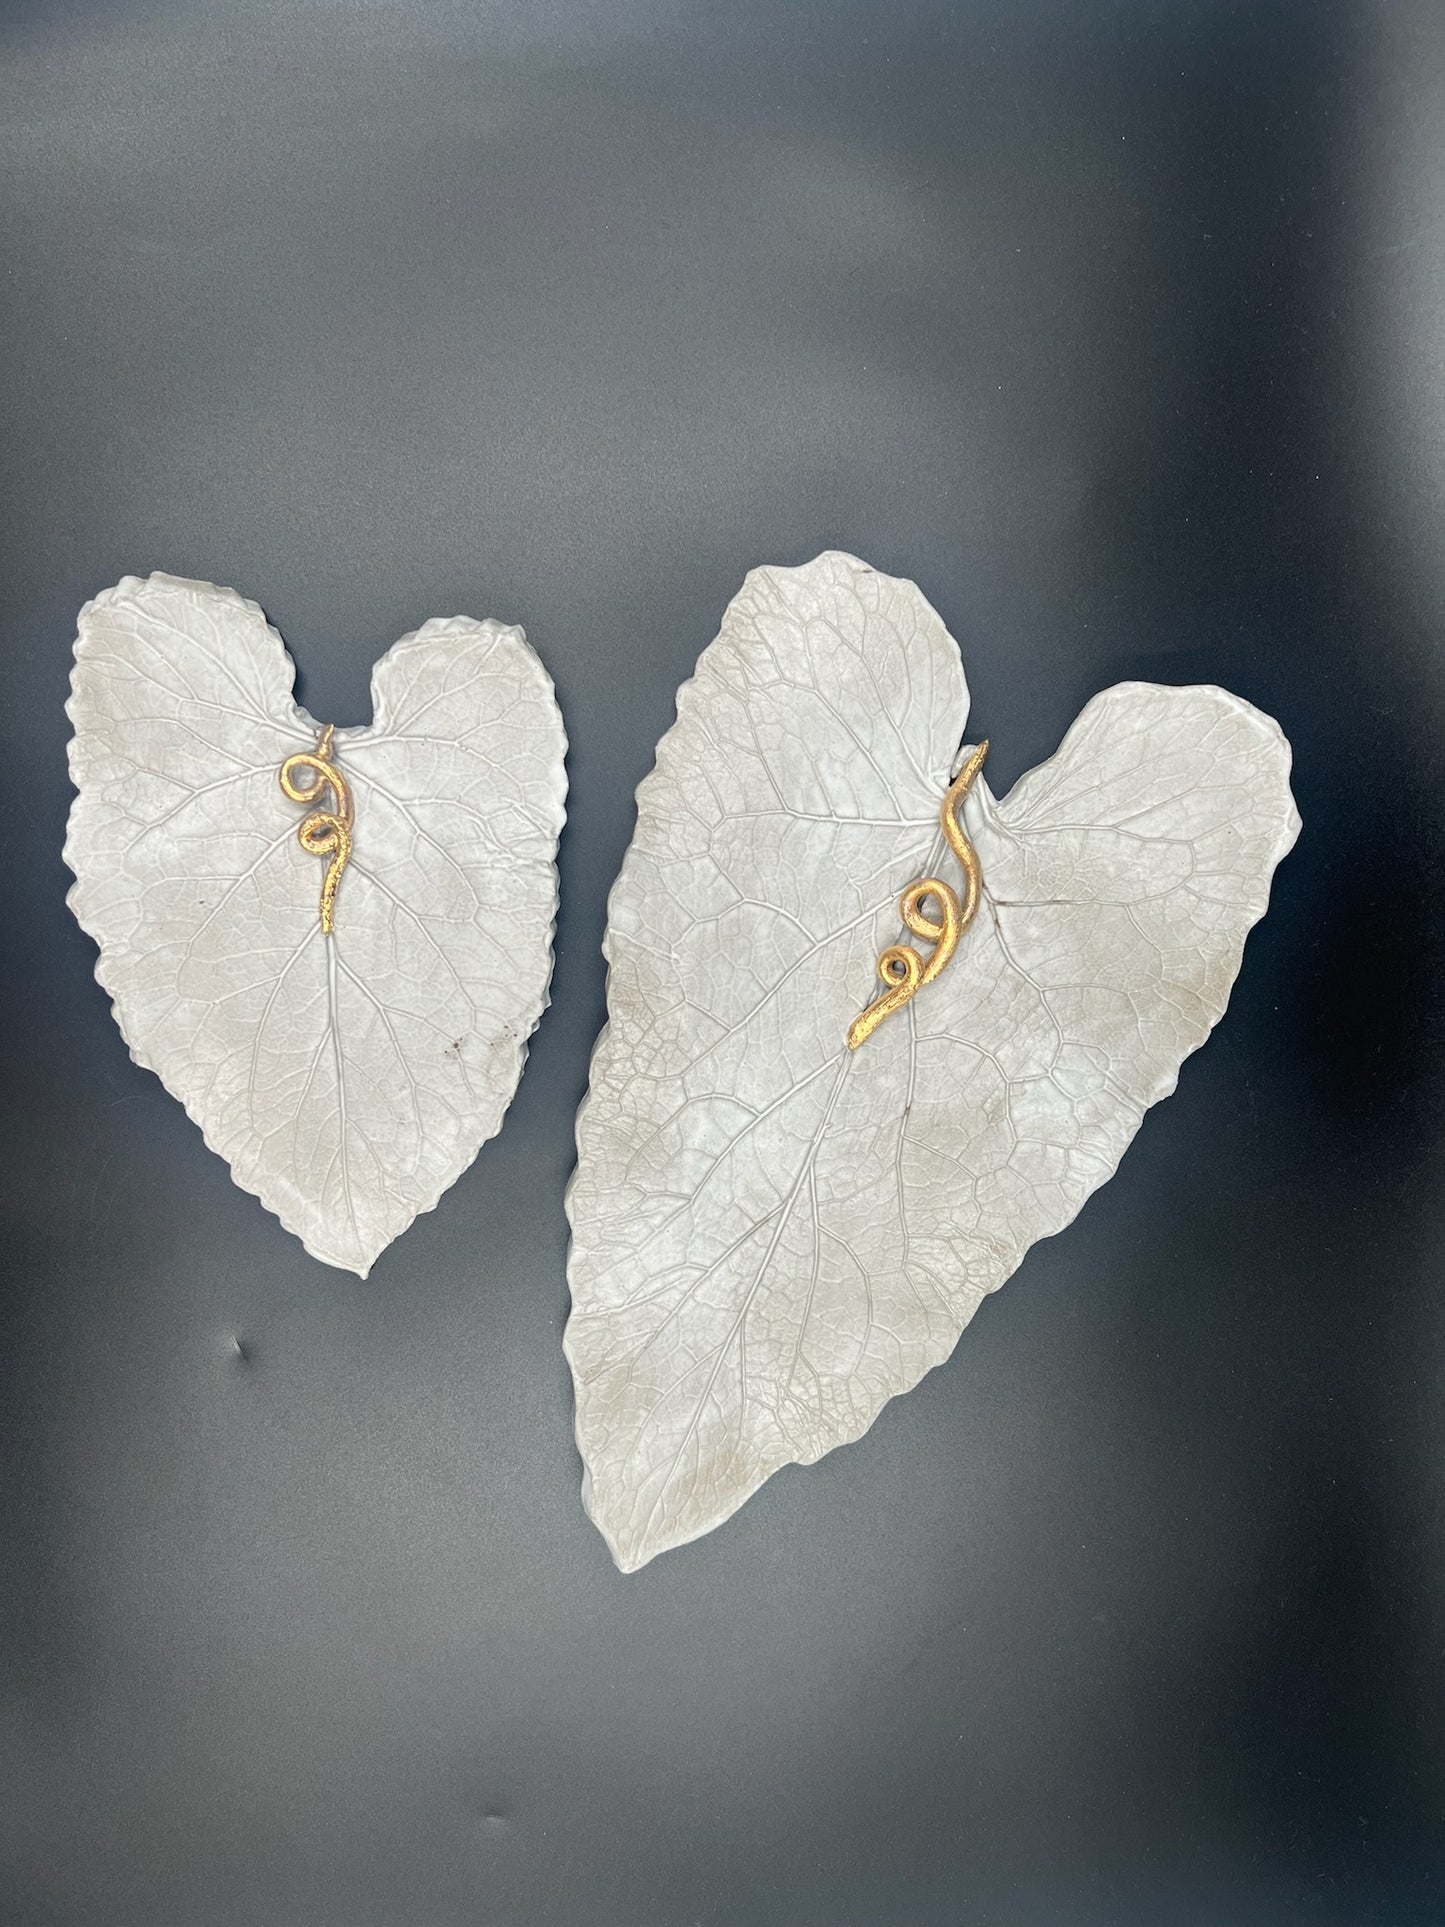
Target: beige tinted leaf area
347,1079
774,1235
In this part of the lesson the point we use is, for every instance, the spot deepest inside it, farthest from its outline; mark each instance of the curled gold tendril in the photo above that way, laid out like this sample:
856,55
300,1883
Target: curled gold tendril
323,832
902,969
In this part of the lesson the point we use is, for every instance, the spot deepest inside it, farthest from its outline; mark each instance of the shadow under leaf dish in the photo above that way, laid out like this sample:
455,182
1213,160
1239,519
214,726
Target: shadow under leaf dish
778,1226
331,945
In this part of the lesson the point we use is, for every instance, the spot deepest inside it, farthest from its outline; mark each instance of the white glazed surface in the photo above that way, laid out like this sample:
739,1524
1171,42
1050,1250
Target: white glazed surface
773,1236
348,1081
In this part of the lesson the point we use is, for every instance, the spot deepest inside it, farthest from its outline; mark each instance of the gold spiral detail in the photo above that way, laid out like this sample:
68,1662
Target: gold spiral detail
903,970
325,832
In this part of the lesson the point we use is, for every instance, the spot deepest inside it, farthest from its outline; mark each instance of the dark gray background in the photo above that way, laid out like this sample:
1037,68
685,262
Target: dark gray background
1121,328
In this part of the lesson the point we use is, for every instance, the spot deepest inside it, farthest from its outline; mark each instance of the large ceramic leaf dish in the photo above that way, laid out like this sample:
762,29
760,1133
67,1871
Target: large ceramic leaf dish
773,1233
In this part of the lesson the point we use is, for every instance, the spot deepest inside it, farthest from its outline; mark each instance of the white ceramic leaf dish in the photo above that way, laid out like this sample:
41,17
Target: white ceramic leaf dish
347,1079
772,1234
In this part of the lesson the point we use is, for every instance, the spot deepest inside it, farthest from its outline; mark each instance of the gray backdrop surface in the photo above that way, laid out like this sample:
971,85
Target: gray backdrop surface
1119,328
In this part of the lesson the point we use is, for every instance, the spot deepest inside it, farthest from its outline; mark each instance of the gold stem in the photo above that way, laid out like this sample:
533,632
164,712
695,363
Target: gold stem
325,832
902,968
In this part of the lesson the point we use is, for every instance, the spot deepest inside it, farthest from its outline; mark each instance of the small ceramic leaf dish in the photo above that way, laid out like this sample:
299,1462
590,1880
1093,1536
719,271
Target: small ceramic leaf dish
794,1188
330,945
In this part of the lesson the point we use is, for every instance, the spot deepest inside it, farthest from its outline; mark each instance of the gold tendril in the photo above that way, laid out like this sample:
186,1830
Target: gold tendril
324,832
901,968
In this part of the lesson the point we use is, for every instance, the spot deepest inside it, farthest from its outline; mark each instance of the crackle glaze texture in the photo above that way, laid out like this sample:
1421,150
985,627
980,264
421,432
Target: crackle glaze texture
772,1235
347,1080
